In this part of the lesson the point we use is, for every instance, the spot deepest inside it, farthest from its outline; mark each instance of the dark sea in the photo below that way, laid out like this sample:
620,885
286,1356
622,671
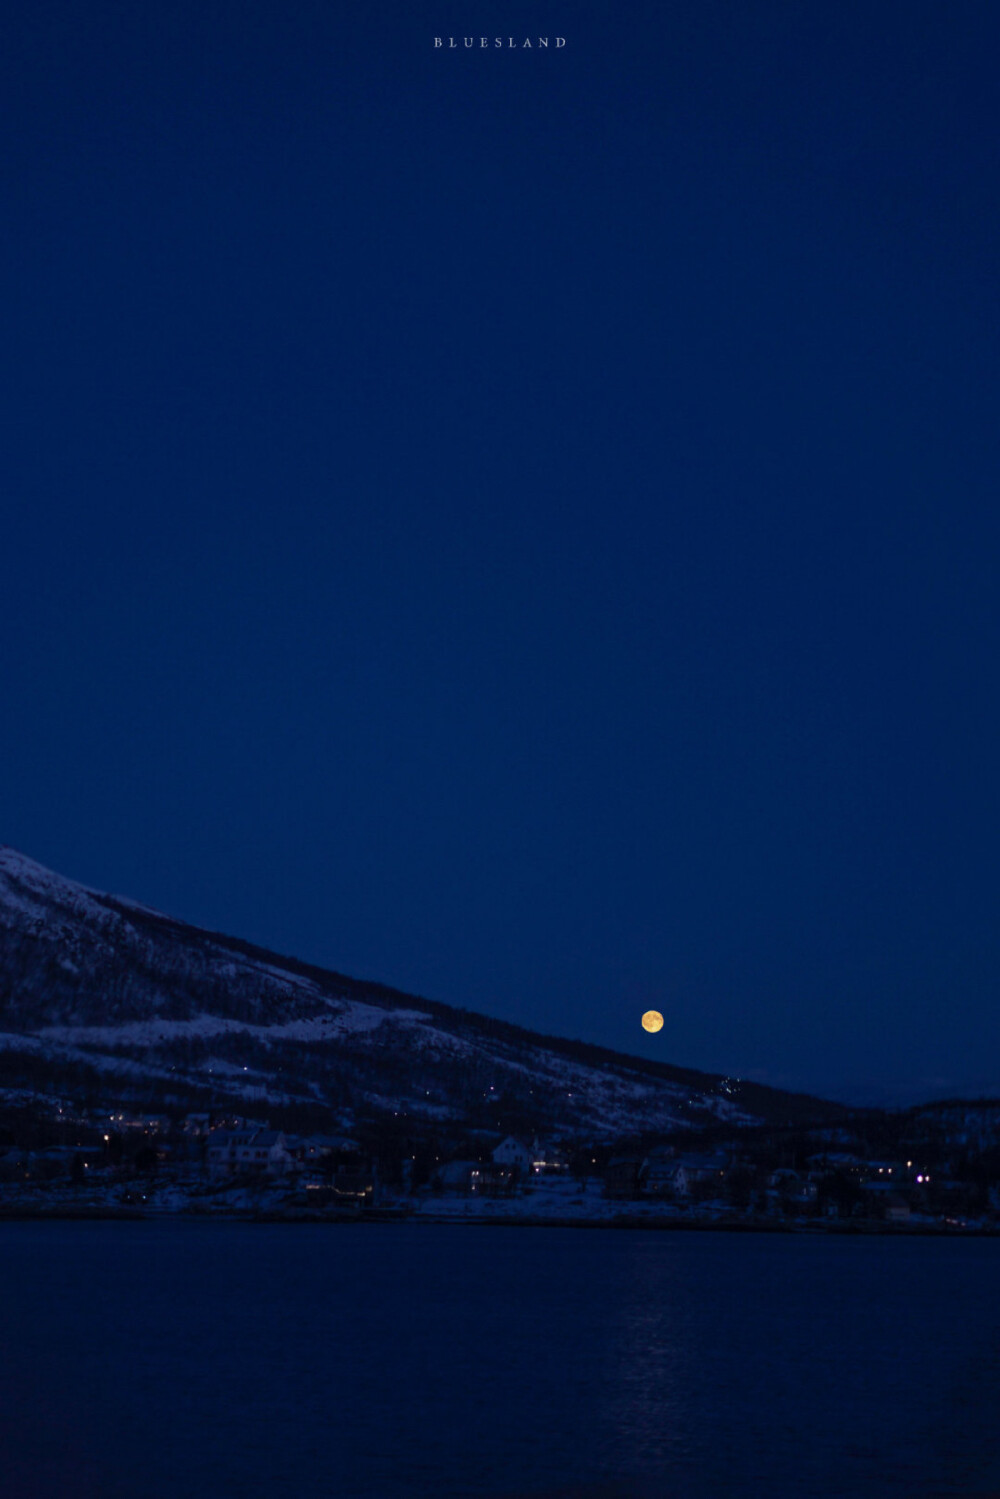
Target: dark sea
187,1360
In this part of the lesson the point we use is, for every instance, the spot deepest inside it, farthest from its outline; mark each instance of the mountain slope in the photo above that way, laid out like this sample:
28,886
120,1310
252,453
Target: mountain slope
120,998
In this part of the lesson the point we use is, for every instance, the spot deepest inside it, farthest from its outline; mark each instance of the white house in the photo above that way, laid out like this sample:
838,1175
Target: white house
514,1152
266,1152
222,1147
261,1151
661,1176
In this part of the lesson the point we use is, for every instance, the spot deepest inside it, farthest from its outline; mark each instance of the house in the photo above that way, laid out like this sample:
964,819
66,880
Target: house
621,1177
514,1152
455,1176
265,1153
885,1171
14,1165
793,1188
320,1151
257,1151
856,1168
885,1201
223,1145
705,1168
663,1176
58,1160
91,1156
345,1189
840,1162
345,1179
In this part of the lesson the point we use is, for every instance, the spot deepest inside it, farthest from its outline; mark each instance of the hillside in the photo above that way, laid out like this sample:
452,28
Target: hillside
103,996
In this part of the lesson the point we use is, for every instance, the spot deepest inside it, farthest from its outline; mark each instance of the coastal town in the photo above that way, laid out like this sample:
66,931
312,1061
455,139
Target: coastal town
922,1171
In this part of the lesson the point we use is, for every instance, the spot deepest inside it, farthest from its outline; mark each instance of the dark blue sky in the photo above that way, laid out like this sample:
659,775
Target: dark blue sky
521,525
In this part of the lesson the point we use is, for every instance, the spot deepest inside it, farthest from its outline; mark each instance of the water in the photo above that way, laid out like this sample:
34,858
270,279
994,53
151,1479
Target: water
187,1360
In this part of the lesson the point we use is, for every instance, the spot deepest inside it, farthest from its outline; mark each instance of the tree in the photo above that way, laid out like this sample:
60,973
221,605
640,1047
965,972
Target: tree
145,1159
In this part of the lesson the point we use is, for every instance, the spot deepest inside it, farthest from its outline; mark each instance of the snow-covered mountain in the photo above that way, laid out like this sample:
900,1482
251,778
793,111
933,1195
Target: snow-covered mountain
102,995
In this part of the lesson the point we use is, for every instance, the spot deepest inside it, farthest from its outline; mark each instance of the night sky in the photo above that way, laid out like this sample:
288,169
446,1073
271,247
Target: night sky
521,525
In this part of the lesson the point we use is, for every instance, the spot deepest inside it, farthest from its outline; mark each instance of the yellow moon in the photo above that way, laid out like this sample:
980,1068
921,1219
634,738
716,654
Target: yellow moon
652,1021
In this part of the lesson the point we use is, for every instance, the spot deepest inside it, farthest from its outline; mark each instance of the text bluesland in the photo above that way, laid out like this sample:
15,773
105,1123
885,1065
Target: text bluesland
481,43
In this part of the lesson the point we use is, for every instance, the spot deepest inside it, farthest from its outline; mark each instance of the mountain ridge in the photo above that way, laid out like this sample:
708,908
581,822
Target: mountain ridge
105,984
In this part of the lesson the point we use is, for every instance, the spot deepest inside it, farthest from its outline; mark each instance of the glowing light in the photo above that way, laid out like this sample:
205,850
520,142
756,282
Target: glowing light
652,1021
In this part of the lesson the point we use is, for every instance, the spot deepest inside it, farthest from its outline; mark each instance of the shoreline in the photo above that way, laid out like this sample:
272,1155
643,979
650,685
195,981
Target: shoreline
627,1222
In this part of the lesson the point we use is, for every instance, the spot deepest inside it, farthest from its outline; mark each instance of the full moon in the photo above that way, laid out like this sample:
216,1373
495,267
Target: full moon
652,1021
